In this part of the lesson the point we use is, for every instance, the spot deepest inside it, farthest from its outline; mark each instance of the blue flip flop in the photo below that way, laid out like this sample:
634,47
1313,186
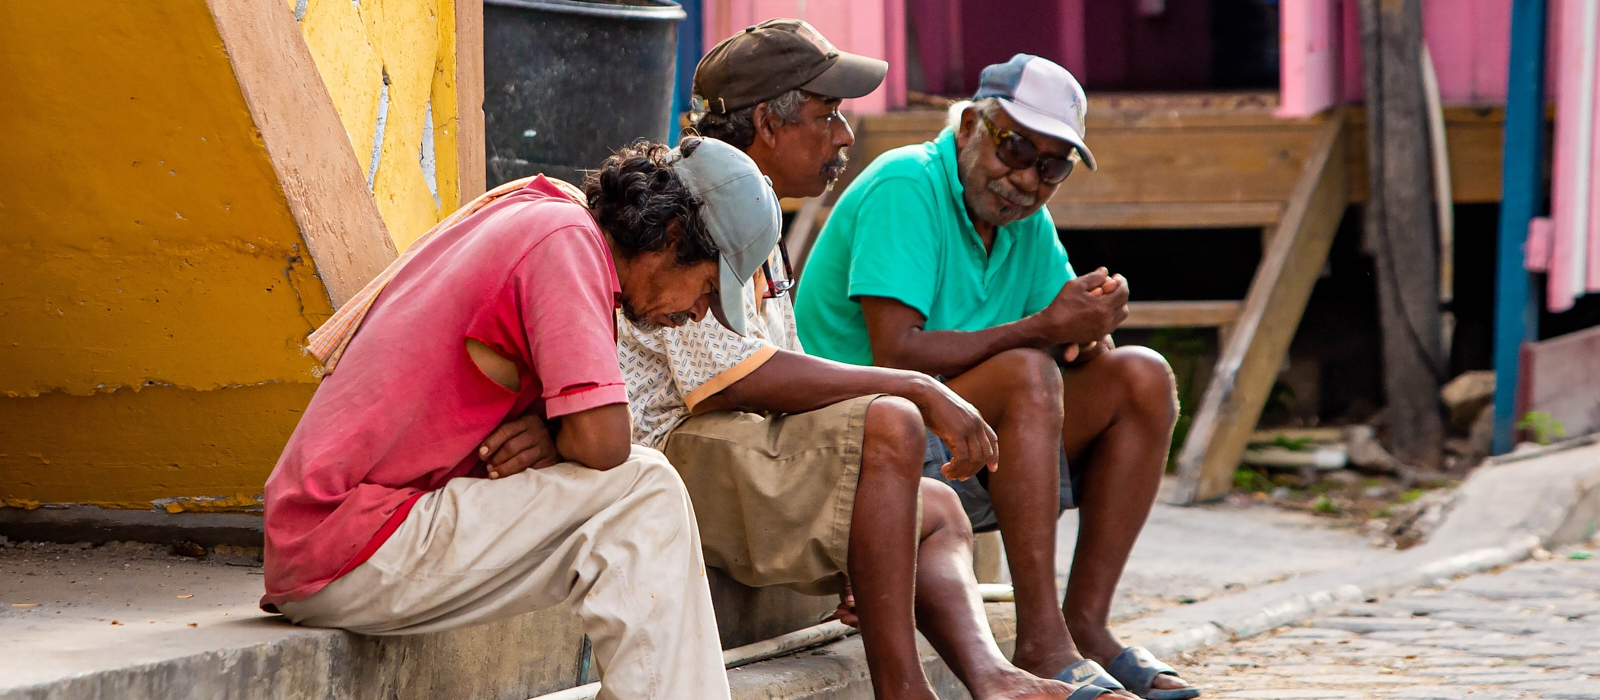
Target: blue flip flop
1136,668
1090,680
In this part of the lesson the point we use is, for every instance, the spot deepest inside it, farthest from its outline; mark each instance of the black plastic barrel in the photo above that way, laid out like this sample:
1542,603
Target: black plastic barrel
566,82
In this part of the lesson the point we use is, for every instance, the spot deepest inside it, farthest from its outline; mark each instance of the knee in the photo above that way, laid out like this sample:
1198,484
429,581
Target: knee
1032,379
894,436
1146,379
942,511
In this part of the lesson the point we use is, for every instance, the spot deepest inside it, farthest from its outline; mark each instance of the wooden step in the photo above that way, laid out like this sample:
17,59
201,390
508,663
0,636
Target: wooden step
1117,215
1182,314
1254,350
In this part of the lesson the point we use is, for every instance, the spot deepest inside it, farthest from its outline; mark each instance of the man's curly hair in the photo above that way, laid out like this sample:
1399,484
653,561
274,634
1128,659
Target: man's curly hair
635,196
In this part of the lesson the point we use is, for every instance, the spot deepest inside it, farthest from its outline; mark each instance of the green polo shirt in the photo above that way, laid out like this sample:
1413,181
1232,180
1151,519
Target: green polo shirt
901,231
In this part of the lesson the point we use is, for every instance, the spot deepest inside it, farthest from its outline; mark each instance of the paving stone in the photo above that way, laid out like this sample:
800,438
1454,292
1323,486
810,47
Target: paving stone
1438,660
1347,679
1430,692
1501,678
1463,671
1527,594
1368,625
1315,633
1300,694
1587,689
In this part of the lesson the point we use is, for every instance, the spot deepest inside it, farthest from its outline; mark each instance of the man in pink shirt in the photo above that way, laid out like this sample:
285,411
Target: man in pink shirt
398,506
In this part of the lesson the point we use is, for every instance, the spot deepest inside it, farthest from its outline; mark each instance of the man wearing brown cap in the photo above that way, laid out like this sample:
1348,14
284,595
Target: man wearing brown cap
804,471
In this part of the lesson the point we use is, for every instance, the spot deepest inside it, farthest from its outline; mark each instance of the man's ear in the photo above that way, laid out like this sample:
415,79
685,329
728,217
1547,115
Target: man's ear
969,123
766,130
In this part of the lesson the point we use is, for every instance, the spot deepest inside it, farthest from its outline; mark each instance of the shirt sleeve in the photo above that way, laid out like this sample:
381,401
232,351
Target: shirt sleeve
895,250
705,357
1053,269
566,303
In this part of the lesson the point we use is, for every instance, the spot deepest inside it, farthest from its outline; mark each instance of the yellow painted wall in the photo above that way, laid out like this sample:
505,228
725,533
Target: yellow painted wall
410,44
154,287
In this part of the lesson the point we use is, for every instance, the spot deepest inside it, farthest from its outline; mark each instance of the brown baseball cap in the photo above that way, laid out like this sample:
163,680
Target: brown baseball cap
776,56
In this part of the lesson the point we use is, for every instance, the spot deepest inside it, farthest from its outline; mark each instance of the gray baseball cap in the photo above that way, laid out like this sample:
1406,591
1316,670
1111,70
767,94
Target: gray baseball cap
1041,96
741,212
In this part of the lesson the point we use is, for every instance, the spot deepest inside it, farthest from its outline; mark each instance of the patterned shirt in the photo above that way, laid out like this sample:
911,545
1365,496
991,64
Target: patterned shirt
671,370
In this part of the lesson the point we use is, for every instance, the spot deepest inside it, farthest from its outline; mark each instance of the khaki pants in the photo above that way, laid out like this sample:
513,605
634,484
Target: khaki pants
775,492
620,546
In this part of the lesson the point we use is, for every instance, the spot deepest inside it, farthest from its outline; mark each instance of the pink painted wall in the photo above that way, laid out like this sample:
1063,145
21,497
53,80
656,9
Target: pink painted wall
1470,41
1309,39
1574,262
873,28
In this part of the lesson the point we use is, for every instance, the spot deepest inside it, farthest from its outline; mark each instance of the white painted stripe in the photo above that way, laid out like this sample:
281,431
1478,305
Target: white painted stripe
377,133
429,166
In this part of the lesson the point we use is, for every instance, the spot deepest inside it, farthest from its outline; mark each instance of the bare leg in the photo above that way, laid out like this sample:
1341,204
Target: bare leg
1118,429
883,550
887,567
950,611
1019,394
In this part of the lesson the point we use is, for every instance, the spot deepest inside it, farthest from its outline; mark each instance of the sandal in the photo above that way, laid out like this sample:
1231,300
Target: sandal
1136,668
1090,680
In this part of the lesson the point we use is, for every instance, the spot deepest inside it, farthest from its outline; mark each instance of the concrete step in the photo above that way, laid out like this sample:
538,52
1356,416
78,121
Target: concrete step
136,622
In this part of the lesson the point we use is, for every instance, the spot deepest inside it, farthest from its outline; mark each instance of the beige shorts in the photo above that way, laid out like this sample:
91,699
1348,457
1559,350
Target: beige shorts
774,493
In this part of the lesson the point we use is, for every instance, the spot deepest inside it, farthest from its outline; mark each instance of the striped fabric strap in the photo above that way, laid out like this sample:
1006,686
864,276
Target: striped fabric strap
328,342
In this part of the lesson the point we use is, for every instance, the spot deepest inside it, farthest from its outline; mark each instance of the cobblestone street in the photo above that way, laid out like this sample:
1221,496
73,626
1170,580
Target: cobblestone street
1527,631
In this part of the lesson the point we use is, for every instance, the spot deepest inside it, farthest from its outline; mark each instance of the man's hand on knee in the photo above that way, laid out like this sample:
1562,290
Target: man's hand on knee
517,445
972,443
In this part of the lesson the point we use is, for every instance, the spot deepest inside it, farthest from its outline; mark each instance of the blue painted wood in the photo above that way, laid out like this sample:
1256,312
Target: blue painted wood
1515,318
691,46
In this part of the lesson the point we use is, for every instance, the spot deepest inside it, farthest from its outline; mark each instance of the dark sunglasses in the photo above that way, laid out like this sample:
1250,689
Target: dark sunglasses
1018,153
779,287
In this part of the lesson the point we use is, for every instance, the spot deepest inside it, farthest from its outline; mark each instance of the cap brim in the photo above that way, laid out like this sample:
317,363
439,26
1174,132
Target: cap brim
849,76
1049,126
728,304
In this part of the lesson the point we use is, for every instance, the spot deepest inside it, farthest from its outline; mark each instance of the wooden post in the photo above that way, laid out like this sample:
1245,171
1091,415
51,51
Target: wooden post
1400,228
470,147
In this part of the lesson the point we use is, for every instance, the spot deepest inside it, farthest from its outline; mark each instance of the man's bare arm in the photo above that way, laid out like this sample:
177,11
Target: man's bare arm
791,382
599,438
1087,309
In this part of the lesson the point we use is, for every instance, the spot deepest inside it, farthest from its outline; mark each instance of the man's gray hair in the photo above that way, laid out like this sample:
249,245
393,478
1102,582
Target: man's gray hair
987,106
738,128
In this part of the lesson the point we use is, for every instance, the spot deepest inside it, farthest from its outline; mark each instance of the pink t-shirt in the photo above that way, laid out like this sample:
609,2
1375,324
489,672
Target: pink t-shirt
531,277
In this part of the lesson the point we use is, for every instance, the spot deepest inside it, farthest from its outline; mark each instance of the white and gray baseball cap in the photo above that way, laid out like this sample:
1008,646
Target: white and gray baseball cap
741,213
1041,96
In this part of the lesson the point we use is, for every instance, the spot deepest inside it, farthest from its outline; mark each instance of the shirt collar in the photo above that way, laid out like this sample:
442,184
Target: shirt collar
945,144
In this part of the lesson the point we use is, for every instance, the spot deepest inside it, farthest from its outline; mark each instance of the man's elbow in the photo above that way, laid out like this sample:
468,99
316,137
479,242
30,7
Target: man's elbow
598,438
609,454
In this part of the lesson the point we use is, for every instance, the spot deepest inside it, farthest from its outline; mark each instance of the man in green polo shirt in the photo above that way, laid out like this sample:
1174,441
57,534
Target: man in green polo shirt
941,258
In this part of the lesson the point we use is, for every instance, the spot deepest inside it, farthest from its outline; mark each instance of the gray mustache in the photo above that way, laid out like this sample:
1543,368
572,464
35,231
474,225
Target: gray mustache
1012,196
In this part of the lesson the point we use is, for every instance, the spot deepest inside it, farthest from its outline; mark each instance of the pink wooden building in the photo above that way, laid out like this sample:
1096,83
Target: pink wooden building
1168,46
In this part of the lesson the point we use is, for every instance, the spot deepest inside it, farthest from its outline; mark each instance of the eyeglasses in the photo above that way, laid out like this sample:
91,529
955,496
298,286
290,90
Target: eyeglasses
1018,153
778,288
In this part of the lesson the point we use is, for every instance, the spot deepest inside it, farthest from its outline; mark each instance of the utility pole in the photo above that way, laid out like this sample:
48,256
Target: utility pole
1400,229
